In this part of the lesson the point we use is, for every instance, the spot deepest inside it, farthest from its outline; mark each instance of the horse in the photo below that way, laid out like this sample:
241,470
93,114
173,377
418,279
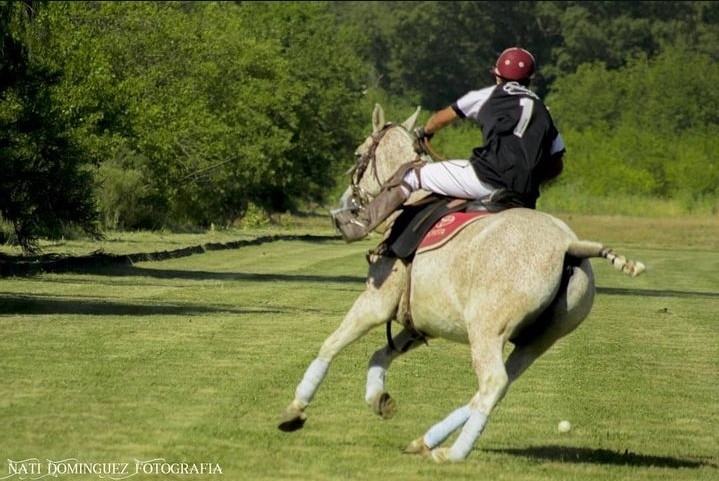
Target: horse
503,278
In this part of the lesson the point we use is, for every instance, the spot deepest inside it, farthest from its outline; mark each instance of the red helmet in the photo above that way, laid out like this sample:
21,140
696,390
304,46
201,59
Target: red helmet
514,64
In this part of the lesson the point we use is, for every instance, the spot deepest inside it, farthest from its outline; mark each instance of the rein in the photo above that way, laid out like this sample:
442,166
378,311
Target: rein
432,153
360,197
368,159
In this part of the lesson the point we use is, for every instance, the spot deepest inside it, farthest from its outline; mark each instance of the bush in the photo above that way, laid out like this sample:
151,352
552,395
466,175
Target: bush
123,194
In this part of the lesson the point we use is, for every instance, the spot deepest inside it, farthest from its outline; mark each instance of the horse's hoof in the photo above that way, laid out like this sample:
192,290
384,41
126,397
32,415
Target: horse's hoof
292,420
440,455
418,447
384,405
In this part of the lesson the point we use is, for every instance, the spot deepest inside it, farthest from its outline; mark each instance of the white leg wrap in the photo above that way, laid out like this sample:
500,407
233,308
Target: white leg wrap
441,431
470,432
375,382
314,375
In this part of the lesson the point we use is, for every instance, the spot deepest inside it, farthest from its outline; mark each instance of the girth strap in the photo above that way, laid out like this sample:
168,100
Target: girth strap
405,318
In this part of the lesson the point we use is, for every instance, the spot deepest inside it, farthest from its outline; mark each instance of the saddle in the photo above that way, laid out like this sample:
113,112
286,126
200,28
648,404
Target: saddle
415,221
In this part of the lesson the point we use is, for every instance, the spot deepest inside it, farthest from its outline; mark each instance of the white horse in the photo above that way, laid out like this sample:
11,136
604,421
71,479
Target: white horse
498,280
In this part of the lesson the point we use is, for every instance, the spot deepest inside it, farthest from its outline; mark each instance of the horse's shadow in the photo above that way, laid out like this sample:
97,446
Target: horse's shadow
570,454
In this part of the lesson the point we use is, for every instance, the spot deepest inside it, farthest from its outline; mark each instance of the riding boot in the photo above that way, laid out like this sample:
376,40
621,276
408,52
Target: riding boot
355,226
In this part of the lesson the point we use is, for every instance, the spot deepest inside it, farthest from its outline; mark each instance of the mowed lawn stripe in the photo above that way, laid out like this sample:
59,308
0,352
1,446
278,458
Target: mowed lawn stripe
193,359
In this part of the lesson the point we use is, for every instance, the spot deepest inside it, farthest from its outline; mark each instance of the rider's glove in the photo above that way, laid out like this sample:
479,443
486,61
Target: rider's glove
421,138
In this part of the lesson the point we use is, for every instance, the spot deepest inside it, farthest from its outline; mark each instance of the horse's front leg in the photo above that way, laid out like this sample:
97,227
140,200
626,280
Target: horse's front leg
375,306
376,394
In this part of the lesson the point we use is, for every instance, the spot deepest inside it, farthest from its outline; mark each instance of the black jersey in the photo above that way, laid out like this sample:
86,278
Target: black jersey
519,137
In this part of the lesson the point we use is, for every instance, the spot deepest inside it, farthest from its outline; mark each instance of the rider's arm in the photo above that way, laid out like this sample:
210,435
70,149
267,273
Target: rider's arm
554,167
440,119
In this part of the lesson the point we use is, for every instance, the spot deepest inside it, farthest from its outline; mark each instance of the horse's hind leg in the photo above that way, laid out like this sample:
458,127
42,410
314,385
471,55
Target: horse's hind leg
375,306
493,383
518,361
524,355
376,395
569,310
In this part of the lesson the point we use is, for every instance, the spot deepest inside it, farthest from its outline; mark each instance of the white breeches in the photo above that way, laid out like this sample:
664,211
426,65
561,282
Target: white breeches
453,178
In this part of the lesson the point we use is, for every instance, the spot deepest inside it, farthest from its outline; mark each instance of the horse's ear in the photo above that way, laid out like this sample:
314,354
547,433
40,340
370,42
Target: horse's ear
411,120
377,118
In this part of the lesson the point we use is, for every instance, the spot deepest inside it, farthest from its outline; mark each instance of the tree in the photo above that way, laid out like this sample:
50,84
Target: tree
45,186
326,80
615,32
648,128
214,105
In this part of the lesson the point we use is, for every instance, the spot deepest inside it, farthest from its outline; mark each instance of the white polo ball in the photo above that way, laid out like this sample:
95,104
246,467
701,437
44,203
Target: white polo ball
564,426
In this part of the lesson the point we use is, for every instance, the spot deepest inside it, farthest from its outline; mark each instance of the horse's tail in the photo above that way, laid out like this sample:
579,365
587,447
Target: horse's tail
585,249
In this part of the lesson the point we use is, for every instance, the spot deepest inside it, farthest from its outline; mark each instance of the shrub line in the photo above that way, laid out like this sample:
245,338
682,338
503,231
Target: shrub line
25,266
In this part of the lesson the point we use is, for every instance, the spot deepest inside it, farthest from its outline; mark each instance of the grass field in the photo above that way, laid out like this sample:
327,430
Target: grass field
192,360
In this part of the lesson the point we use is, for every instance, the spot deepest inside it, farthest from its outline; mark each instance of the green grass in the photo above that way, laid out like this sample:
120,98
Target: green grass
315,222
193,359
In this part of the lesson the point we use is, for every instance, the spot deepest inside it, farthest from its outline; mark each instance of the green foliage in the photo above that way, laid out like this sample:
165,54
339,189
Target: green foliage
436,51
255,217
45,186
692,170
227,103
187,114
124,194
616,32
322,115
432,52
648,128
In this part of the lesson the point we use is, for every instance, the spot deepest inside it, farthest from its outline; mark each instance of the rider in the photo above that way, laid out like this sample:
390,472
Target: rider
522,149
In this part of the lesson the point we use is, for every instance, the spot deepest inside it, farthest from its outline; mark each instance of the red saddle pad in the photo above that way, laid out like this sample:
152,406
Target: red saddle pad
447,227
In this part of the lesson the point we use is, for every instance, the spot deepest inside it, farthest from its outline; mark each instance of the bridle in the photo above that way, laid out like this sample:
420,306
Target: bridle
368,159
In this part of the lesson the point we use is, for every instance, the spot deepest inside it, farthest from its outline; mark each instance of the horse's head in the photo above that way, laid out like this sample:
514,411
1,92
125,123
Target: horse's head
377,158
